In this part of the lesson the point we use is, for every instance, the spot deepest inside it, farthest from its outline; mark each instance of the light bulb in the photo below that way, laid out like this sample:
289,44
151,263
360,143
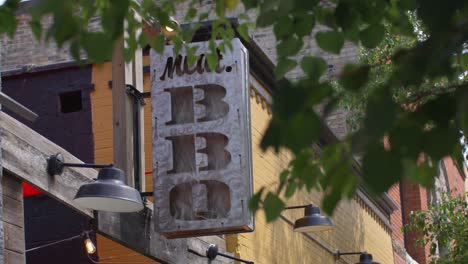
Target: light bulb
90,247
168,29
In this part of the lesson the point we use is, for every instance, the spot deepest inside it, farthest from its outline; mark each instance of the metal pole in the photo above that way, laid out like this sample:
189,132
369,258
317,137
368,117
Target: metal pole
87,165
234,258
295,207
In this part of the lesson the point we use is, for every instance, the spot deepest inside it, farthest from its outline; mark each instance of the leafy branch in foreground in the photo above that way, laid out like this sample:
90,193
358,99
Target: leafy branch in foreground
438,57
444,227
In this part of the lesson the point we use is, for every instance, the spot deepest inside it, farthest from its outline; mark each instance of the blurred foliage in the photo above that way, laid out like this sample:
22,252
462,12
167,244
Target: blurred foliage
409,87
444,227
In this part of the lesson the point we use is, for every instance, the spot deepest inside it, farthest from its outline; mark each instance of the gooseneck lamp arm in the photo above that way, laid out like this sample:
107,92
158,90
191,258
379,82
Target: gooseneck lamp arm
364,258
212,252
339,254
55,164
296,207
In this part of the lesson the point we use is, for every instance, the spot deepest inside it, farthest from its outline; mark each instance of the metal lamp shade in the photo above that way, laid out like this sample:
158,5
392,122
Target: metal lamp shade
109,193
313,221
366,258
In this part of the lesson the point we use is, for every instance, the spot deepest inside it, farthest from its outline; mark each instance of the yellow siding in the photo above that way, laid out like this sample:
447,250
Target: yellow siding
101,103
356,229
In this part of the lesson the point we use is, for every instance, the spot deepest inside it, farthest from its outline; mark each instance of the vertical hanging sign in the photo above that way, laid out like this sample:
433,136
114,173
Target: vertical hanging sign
201,143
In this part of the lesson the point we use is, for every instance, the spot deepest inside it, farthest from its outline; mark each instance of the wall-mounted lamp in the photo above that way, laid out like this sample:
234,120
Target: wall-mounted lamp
364,258
212,252
171,28
107,193
312,220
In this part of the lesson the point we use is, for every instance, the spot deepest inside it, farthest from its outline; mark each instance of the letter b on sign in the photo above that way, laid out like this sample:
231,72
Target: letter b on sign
201,145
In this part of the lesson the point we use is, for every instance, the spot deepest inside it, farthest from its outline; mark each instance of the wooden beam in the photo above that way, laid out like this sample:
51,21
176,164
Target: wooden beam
13,220
17,108
24,156
122,113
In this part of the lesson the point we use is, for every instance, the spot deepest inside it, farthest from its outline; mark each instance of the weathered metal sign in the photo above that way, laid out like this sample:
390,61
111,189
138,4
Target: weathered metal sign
201,143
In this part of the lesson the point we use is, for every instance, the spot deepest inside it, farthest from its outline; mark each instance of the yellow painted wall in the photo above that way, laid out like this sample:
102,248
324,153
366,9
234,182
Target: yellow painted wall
101,103
356,228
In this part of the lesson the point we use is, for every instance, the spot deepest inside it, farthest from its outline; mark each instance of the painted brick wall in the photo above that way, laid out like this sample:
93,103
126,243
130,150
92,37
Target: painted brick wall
44,216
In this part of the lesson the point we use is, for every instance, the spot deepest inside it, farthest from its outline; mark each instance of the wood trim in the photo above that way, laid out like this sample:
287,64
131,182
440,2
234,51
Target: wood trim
24,156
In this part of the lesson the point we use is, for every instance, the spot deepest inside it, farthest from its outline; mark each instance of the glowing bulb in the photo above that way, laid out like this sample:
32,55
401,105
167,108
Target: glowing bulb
168,29
90,247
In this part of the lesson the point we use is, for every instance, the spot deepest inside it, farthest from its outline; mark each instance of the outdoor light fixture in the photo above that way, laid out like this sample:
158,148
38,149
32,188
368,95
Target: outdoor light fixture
107,193
212,252
364,258
312,220
171,28
89,245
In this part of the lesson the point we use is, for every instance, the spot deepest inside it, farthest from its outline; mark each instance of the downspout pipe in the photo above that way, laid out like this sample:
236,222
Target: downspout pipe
138,101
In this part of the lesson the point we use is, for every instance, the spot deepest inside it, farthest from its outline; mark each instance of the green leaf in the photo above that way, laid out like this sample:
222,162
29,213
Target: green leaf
314,67
191,13
8,22
325,16
36,28
303,24
243,30
345,15
249,4
255,200
331,41
220,8
75,49
267,18
203,16
273,206
354,77
212,60
284,66
421,173
284,175
330,201
290,189
159,43
464,61
95,46
381,168
283,27
289,46
380,113
372,35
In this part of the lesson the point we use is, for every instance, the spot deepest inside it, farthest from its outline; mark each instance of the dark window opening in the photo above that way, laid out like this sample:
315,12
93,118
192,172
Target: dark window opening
70,102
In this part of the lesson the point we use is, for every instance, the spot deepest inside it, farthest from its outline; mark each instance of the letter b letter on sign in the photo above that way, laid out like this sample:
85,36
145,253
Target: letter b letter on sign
201,144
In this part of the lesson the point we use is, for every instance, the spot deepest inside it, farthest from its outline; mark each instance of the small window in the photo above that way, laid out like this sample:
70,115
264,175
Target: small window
70,102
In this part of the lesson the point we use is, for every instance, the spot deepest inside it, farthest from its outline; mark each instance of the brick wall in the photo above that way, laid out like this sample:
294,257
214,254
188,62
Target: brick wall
415,198
398,237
